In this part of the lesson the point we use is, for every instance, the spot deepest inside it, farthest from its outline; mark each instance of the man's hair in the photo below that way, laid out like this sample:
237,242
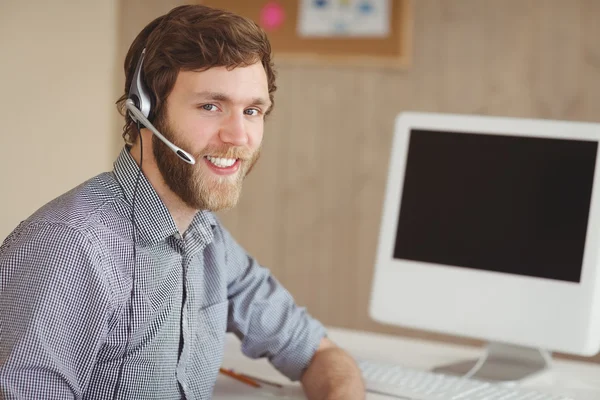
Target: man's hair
191,38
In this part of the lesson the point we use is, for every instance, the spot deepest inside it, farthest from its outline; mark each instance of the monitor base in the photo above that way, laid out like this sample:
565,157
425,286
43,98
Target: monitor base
501,363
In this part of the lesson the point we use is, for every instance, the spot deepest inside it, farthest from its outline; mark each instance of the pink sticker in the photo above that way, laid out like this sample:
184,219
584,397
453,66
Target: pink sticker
271,16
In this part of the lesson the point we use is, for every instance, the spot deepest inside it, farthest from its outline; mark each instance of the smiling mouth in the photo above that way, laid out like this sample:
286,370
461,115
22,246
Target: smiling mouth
221,162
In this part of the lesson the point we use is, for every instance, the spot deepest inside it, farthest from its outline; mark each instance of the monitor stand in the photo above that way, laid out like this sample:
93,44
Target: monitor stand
503,363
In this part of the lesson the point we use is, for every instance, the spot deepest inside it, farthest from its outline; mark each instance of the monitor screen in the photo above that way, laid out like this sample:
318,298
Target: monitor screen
515,205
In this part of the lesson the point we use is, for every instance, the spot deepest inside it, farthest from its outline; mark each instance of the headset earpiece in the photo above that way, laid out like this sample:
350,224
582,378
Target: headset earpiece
137,91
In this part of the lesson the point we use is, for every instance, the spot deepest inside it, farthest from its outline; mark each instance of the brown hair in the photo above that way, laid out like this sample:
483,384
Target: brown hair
192,38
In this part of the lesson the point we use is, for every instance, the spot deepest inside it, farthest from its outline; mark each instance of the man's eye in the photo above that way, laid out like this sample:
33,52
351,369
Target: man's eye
209,107
251,111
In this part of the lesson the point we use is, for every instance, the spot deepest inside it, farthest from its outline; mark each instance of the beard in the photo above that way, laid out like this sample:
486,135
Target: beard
196,185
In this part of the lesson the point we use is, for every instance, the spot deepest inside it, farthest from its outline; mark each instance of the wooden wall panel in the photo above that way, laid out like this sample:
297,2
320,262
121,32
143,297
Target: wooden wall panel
321,189
310,209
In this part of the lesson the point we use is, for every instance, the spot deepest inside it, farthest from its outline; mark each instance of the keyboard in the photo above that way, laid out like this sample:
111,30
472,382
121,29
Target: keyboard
407,383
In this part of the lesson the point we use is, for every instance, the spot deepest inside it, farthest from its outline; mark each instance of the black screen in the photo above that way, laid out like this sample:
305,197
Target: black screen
517,205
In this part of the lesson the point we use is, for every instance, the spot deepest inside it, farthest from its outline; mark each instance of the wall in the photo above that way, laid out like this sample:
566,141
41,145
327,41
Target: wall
57,113
310,210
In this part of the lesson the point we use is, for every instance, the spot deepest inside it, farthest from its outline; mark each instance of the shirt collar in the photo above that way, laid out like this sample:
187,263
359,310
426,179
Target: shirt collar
154,223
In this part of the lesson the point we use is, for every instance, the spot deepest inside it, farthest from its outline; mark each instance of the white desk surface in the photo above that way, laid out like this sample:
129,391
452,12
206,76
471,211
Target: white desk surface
577,379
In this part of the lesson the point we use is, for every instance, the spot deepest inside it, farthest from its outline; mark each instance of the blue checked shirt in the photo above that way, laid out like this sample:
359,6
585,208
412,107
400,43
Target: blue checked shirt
65,292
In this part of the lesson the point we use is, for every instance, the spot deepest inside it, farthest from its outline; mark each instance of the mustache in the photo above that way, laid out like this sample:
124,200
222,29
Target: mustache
241,153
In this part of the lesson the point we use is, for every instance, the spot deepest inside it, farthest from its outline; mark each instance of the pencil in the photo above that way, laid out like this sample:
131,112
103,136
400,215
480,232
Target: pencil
241,378
262,381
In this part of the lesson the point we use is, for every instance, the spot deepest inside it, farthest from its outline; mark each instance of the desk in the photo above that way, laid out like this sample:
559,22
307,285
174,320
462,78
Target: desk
578,379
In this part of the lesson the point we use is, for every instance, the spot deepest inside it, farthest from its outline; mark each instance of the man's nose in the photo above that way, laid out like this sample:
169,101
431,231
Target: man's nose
234,130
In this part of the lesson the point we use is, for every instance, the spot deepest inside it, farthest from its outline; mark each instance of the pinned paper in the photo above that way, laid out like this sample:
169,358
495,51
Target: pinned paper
365,7
272,16
354,18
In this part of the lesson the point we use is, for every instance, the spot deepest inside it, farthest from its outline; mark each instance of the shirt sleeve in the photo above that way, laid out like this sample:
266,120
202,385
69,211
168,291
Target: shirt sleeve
263,314
54,307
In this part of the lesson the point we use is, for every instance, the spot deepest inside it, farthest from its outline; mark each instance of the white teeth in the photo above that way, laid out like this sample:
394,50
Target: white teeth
221,162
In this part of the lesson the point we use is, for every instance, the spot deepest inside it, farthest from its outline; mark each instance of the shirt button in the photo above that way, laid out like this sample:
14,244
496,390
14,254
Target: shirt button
178,236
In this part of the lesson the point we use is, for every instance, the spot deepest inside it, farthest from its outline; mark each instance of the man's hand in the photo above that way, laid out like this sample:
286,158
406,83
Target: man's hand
332,375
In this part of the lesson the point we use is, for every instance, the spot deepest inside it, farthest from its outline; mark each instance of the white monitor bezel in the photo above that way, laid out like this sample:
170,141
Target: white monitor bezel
521,310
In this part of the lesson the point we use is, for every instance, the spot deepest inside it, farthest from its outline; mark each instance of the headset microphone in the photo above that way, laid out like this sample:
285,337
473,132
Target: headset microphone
138,116
139,104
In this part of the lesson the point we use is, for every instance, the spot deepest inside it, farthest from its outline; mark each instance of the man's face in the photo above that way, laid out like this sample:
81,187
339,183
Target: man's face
217,116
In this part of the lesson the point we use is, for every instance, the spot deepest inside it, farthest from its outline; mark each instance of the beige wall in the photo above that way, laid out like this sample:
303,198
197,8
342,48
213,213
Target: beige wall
56,104
311,209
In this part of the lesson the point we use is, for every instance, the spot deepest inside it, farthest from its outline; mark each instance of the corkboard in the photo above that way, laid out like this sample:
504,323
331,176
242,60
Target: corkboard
393,50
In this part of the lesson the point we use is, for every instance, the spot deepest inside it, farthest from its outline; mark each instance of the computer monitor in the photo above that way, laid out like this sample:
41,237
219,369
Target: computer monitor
491,230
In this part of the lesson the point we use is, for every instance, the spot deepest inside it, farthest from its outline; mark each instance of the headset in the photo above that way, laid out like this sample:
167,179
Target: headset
139,104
